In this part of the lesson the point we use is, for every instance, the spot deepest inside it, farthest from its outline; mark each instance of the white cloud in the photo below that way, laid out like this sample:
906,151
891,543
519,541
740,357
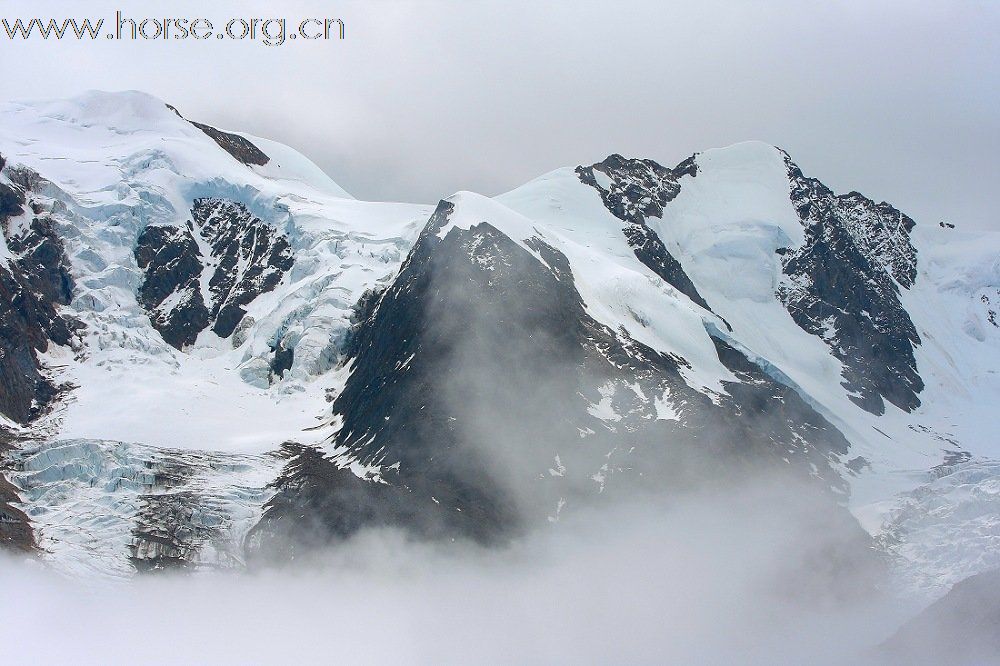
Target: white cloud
426,98
706,580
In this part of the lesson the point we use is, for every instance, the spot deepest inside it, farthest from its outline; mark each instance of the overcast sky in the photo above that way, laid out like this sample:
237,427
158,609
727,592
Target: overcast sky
898,100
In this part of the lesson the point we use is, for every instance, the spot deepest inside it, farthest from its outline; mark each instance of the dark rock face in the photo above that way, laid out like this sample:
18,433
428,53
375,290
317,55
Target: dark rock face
246,258
11,199
250,258
171,290
634,190
318,501
478,369
33,284
32,287
844,285
236,145
963,627
240,148
768,410
282,360
15,528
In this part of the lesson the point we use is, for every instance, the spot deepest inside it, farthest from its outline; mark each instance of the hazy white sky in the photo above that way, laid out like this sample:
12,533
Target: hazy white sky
895,99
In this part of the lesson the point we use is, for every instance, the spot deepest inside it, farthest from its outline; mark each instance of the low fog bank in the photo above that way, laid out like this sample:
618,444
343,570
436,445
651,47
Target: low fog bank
706,579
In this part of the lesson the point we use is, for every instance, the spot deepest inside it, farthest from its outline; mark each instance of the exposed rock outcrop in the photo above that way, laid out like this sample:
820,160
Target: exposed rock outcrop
844,286
186,290
634,190
34,283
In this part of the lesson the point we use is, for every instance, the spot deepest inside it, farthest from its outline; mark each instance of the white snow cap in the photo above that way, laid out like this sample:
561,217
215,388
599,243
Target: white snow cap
127,111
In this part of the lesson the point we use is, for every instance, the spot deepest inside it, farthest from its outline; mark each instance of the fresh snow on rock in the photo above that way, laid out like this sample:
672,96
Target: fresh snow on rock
617,288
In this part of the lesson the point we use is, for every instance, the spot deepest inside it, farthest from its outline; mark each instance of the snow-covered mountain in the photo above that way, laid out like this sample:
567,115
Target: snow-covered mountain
211,352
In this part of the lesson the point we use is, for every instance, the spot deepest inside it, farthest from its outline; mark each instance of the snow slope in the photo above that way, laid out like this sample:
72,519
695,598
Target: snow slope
728,221
618,290
113,164
724,227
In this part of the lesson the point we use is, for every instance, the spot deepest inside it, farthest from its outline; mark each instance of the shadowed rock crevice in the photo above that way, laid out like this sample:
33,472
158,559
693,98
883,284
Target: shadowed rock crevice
282,360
